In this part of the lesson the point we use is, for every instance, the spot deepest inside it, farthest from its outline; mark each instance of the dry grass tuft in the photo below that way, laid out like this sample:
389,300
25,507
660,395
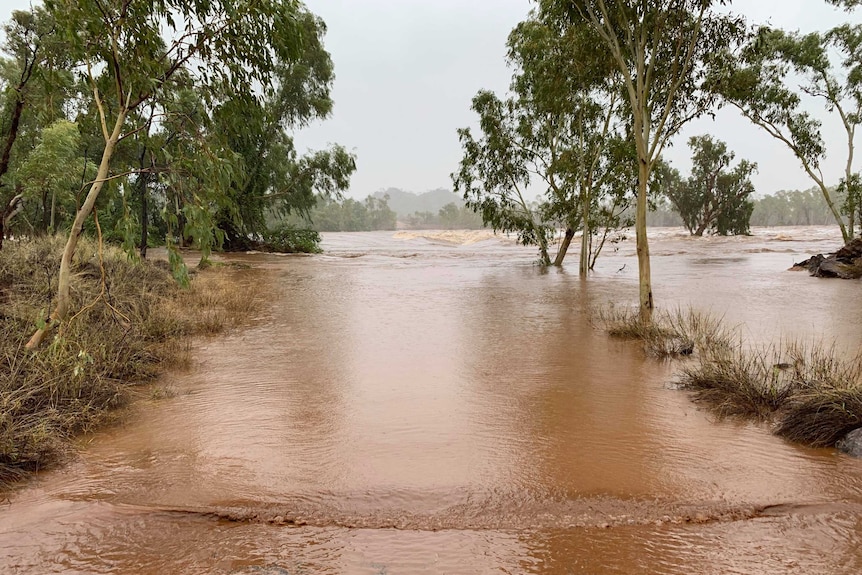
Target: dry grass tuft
821,417
130,326
810,392
739,383
674,334
813,395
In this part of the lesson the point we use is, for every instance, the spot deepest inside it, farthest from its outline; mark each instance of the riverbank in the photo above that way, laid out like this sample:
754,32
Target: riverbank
131,322
807,393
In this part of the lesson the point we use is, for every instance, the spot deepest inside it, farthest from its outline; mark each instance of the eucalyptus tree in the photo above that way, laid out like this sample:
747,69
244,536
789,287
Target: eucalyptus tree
662,50
495,172
714,197
276,179
554,134
34,52
128,51
768,83
579,100
51,170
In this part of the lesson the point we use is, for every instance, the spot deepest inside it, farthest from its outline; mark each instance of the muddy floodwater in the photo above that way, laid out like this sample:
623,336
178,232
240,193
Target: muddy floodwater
435,403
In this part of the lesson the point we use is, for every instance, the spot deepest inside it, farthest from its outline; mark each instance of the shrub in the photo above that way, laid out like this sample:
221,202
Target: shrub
286,239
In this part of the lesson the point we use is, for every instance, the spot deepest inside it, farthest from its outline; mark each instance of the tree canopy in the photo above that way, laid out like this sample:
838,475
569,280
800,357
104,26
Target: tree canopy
768,84
186,107
714,197
557,133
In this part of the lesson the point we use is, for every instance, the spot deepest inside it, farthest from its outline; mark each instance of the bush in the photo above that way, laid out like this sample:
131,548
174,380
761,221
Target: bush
286,239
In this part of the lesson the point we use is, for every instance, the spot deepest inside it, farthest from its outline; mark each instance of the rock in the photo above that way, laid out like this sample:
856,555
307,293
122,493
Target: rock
685,347
852,251
851,444
846,263
832,268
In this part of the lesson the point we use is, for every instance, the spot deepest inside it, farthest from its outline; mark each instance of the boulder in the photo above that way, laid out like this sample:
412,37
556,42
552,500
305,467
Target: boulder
846,263
851,444
851,252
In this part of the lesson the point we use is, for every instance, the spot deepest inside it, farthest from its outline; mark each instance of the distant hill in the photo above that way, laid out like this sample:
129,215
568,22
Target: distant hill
406,203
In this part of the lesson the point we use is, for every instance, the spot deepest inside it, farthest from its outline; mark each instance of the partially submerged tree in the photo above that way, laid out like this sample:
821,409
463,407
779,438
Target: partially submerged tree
495,173
714,197
662,50
557,134
767,86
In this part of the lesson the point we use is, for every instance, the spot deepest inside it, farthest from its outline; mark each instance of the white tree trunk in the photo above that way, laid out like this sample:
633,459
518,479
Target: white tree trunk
61,311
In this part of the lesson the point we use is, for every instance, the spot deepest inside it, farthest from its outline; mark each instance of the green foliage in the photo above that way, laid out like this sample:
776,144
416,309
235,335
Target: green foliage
495,172
286,239
226,82
275,178
850,190
846,4
792,208
51,173
557,132
712,198
455,217
776,70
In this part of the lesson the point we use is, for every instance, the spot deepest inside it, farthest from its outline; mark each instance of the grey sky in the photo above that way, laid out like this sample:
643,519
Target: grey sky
406,71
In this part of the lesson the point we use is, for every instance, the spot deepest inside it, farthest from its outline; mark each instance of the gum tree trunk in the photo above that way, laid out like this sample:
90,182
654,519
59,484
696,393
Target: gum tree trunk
564,247
646,299
61,311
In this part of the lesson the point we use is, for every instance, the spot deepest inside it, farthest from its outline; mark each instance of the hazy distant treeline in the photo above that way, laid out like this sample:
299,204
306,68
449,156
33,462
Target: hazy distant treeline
794,208
783,208
375,213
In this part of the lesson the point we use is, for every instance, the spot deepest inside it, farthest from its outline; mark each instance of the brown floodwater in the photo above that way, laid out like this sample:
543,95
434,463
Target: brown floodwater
435,403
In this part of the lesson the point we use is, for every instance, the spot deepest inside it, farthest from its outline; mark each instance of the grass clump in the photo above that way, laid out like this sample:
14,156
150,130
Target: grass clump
739,383
130,320
669,334
810,394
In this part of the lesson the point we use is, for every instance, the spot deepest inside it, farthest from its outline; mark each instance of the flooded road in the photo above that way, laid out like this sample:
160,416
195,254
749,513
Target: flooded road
435,403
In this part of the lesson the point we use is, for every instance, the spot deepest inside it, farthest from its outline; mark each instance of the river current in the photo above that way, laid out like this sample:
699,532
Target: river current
434,402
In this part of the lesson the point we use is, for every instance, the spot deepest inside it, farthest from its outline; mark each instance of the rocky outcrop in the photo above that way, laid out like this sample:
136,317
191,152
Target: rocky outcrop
846,263
851,443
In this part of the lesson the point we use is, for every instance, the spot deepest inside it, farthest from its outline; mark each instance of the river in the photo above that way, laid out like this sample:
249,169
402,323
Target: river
416,402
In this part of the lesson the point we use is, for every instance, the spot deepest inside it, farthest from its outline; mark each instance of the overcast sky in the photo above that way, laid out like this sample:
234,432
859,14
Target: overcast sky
406,71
